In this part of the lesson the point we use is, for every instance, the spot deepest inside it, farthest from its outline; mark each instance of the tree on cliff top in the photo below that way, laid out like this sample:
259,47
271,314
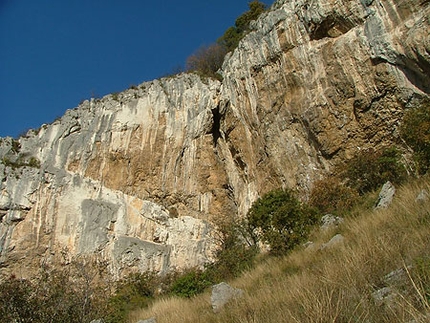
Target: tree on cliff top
234,34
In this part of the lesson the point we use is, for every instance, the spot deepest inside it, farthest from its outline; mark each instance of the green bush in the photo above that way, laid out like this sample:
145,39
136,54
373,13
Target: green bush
191,282
415,131
137,290
21,162
236,253
233,35
281,220
370,169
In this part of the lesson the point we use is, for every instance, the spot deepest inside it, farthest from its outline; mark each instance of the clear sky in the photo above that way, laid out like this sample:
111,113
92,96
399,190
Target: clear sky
56,53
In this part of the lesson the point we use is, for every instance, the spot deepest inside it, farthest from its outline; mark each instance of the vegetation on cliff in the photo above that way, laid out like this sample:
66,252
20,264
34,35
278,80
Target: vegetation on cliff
207,60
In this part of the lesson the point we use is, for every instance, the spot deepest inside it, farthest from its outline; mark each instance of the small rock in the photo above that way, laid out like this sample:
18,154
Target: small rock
396,276
336,240
330,220
383,295
309,245
150,320
422,197
385,196
222,293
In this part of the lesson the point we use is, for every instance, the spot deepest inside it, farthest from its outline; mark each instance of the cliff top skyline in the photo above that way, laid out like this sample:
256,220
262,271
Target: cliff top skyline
54,55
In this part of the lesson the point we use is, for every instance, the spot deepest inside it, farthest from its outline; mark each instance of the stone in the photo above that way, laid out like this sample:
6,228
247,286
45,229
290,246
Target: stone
330,221
338,239
223,293
385,196
309,245
423,196
383,295
150,320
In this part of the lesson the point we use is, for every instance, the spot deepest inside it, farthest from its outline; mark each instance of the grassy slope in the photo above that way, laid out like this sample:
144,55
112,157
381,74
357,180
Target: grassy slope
335,284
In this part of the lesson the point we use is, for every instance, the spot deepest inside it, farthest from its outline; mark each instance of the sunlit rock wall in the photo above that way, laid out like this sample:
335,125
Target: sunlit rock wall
139,178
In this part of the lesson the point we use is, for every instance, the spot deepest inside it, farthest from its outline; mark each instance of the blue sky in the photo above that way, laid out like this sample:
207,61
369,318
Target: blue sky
54,54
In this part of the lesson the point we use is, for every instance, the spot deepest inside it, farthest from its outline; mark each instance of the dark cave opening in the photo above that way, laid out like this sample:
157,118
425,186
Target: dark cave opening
215,131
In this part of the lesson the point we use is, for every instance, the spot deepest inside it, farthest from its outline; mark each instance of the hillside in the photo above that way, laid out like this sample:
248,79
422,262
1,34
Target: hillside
380,272
138,180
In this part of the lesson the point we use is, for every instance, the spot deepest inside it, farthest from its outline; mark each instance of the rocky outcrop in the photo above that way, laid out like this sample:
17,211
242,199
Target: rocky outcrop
386,196
139,178
222,294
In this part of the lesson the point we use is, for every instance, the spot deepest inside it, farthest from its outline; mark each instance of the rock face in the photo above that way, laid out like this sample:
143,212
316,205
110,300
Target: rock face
223,293
138,178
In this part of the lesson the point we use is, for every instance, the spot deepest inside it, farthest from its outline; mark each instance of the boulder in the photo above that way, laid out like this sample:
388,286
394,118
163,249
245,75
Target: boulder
222,293
329,221
385,196
336,240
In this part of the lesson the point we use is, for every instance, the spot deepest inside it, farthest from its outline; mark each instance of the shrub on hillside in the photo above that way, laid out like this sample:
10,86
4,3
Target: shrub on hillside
280,220
66,295
137,290
416,132
370,169
330,195
16,300
191,282
236,253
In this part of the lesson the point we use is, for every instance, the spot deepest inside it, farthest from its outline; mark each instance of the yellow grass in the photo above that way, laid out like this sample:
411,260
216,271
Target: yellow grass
335,284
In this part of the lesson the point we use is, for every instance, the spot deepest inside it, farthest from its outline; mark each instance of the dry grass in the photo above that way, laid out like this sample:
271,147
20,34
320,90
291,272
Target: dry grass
335,284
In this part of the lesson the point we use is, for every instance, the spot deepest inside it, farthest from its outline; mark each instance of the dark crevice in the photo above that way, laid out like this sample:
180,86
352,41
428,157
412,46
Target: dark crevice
216,124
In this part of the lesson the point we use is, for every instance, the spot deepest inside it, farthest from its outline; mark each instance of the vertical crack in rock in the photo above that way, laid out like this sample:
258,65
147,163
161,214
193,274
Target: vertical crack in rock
216,123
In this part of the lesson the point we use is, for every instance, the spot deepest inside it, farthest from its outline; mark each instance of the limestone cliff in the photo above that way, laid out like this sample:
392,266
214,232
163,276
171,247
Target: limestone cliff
138,178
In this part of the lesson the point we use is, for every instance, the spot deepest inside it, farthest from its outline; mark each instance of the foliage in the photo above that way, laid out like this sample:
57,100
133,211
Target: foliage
237,250
207,60
351,182
281,220
416,132
68,295
16,302
21,162
256,8
134,291
234,34
330,195
16,146
371,168
191,282
421,272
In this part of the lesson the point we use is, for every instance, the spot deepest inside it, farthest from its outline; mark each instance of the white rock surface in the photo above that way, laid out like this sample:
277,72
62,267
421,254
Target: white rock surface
138,177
